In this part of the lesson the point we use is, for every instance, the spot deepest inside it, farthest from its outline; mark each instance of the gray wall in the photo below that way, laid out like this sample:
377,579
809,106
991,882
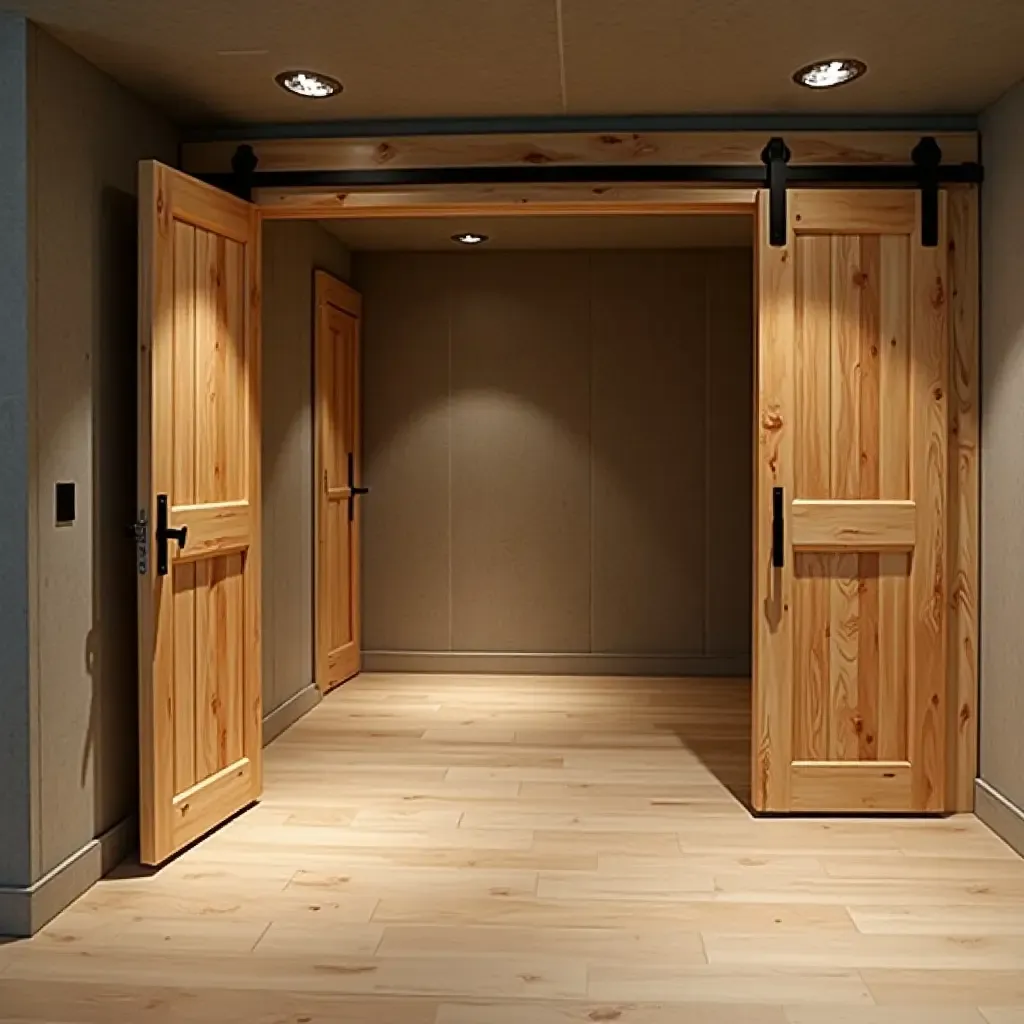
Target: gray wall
17,718
1002,428
292,250
87,136
559,451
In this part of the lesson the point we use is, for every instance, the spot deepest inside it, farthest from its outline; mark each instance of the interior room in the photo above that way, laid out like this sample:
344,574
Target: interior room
503,521
556,434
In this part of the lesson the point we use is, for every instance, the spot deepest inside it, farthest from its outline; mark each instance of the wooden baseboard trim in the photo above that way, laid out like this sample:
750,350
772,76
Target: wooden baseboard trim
289,712
24,910
555,664
1001,815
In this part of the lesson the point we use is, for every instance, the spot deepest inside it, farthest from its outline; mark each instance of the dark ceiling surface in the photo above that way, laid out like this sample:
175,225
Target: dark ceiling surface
211,62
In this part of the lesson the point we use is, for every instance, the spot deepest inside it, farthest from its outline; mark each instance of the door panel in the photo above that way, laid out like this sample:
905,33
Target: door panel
338,468
200,712
850,631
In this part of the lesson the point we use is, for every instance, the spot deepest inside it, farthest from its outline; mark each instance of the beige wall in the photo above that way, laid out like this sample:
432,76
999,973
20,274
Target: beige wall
85,137
1002,430
291,253
559,450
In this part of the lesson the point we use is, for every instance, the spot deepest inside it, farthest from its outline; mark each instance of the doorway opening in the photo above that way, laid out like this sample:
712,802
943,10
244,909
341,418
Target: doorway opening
557,435
532,448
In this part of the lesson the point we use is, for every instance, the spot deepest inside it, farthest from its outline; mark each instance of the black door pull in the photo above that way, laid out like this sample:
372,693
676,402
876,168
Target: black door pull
165,533
352,489
778,529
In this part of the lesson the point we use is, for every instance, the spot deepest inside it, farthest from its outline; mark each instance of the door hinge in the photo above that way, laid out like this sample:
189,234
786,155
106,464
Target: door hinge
141,532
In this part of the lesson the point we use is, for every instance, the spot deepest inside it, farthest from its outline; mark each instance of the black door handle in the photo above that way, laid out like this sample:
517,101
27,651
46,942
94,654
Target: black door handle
778,528
165,533
352,489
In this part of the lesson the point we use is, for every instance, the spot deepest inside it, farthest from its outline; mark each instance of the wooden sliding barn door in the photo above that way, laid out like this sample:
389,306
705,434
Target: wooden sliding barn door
850,574
199,488
338,474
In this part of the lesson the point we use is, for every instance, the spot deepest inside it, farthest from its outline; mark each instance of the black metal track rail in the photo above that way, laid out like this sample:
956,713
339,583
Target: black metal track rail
926,173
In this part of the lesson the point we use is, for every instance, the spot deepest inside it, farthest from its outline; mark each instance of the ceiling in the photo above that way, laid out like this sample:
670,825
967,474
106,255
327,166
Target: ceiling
430,234
212,61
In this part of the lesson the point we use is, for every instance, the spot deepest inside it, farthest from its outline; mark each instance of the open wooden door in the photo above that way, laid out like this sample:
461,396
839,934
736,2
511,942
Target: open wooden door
199,490
338,472
851,581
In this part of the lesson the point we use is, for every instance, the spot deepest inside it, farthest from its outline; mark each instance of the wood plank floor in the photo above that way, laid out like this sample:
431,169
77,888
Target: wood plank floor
458,850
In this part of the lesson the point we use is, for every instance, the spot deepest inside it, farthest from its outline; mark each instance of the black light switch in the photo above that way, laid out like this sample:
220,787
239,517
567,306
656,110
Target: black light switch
65,504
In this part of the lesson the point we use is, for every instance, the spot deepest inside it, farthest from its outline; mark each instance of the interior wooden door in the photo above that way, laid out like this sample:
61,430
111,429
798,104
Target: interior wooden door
199,490
338,475
850,628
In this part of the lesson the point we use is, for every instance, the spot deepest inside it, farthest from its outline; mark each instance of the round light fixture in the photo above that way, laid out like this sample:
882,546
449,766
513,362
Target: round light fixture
310,84
827,74
469,238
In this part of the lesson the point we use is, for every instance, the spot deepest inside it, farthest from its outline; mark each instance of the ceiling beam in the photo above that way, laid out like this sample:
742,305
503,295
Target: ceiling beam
580,149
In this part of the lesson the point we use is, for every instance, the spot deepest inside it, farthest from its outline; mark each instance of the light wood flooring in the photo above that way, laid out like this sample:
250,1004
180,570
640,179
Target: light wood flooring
455,850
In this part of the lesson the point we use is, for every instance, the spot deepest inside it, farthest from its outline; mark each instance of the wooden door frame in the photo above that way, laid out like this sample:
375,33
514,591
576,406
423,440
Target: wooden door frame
593,198
330,290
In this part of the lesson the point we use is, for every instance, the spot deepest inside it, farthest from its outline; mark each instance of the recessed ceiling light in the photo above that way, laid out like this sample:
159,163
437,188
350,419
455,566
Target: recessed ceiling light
469,238
310,84
826,74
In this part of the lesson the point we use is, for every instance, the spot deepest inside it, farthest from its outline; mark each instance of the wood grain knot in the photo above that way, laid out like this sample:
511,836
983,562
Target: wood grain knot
385,153
611,140
935,700
535,156
939,294
860,279
772,420
965,715
937,394
602,1014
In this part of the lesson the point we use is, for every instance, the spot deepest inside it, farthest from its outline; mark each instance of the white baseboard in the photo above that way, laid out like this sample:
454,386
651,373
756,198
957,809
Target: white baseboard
23,911
556,664
290,712
1001,815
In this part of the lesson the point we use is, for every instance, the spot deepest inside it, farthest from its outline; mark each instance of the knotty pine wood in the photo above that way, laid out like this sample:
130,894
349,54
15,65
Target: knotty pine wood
962,746
866,419
856,524
199,428
474,850
336,431
929,584
589,199
570,148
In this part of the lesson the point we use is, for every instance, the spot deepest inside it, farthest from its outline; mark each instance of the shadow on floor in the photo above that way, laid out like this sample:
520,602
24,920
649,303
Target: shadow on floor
722,741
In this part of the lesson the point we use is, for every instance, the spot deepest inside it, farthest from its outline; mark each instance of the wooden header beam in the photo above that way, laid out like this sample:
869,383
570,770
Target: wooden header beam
500,201
581,149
